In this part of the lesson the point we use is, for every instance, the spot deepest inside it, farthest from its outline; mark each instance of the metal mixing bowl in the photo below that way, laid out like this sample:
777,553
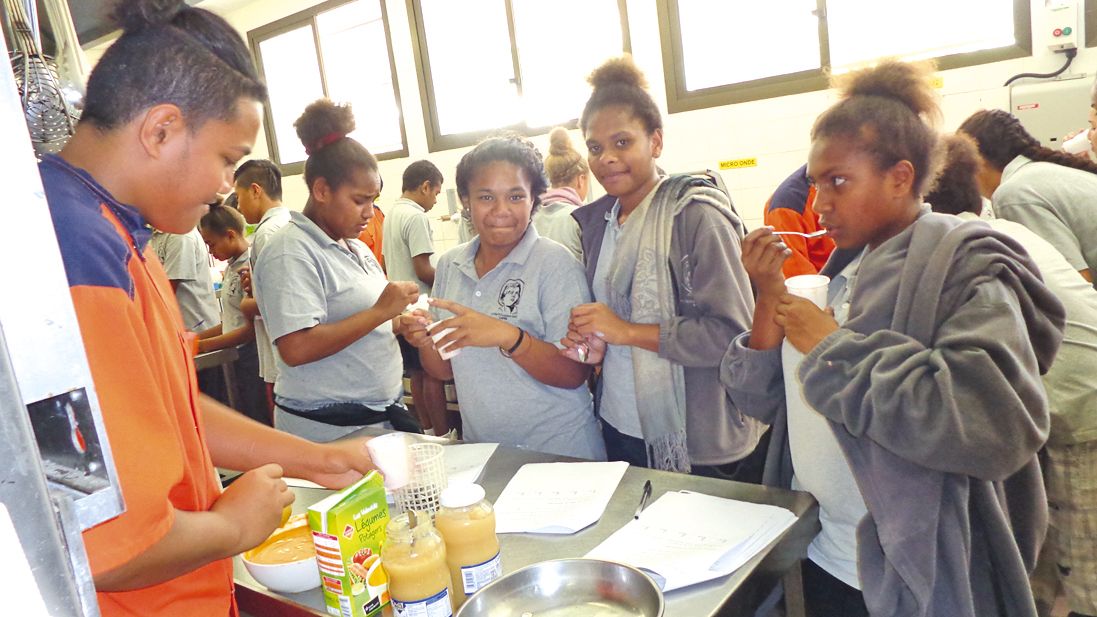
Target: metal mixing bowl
569,587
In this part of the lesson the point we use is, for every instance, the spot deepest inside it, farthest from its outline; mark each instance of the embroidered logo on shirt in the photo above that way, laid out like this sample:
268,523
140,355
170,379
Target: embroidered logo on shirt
511,294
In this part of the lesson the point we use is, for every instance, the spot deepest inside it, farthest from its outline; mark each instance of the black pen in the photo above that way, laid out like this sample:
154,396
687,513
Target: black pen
643,499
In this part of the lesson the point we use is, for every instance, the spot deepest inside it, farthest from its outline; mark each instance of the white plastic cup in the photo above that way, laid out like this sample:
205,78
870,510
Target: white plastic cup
811,286
422,303
391,455
439,335
1077,144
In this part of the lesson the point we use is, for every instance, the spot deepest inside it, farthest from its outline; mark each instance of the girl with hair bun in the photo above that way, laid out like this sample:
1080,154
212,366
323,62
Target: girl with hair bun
569,179
1048,191
912,408
328,307
662,260
222,228
171,107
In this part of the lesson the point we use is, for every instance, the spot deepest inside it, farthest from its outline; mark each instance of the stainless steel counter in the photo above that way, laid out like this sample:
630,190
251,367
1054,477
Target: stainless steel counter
736,595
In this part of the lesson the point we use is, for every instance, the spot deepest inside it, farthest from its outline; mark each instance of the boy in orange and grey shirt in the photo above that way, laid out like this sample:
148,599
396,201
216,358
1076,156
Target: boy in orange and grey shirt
170,107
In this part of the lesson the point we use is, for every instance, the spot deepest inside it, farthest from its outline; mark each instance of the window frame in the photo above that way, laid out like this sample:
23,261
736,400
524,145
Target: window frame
679,99
436,141
309,17
1089,18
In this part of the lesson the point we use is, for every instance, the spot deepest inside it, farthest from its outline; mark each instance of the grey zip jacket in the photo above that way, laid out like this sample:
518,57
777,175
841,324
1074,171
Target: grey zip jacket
933,390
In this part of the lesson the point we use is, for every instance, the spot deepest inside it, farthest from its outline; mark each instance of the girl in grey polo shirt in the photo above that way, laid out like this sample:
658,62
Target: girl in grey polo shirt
327,305
506,294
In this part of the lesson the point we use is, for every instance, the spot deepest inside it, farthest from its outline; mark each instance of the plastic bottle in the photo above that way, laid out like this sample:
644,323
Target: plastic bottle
414,558
467,523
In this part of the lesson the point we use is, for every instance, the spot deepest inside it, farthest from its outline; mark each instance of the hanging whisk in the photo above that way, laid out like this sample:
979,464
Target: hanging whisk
50,118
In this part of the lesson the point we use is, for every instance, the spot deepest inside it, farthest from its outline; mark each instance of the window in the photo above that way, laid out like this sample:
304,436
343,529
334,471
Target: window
715,53
340,50
522,66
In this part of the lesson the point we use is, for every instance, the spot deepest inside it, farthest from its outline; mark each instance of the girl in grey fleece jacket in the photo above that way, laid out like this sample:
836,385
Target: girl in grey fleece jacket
931,386
662,258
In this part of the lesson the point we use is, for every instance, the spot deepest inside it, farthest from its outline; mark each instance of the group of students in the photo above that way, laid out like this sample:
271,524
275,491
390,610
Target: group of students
912,409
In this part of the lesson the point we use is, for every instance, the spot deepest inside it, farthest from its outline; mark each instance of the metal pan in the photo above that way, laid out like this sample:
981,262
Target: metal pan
569,588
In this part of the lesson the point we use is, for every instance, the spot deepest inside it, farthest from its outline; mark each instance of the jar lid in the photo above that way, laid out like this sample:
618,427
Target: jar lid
461,495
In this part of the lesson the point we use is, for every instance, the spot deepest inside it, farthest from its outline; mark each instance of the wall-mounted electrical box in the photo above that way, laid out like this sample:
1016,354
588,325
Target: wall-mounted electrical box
1059,27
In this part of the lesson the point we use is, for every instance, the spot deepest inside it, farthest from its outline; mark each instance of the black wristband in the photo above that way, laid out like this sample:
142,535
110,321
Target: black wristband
516,345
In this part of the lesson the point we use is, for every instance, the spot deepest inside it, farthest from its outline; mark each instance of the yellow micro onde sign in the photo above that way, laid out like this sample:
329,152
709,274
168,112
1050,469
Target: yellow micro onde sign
739,163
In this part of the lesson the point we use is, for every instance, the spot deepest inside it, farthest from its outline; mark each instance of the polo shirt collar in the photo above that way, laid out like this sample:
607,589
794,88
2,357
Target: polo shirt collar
410,202
271,213
242,259
465,258
311,229
614,211
1013,166
128,215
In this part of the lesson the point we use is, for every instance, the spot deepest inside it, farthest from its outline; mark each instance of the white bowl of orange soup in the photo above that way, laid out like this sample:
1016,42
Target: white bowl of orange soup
286,561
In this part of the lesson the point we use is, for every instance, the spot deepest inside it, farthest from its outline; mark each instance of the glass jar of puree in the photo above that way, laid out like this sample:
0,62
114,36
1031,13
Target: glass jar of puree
467,523
414,558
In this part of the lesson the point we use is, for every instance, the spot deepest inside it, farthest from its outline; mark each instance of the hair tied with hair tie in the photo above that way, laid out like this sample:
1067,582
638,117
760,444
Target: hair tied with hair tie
324,141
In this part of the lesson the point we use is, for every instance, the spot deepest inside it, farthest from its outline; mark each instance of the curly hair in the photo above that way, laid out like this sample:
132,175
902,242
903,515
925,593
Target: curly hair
563,163
323,129
510,148
889,110
1001,138
171,53
956,188
620,83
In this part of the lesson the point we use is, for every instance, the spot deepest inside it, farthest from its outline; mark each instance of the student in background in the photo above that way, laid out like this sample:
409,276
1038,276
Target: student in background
171,106
569,179
1048,191
507,294
465,230
373,236
791,209
328,306
1069,557
189,268
408,247
257,185
222,229
670,293
914,411
187,264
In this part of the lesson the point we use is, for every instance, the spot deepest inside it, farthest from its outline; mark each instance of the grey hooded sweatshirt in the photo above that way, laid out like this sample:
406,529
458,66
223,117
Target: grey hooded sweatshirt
932,388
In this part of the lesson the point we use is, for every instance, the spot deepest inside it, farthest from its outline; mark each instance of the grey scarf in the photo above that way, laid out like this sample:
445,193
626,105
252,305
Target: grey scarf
641,290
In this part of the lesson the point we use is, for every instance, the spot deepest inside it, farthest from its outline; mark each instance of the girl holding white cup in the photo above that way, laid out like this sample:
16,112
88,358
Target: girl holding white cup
915,410
502,297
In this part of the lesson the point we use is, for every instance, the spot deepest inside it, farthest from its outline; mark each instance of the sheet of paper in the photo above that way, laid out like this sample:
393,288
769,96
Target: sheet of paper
687,538
560,498
465,461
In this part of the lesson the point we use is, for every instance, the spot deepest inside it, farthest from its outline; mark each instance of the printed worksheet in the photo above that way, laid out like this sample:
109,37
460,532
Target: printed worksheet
560,498
686,538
